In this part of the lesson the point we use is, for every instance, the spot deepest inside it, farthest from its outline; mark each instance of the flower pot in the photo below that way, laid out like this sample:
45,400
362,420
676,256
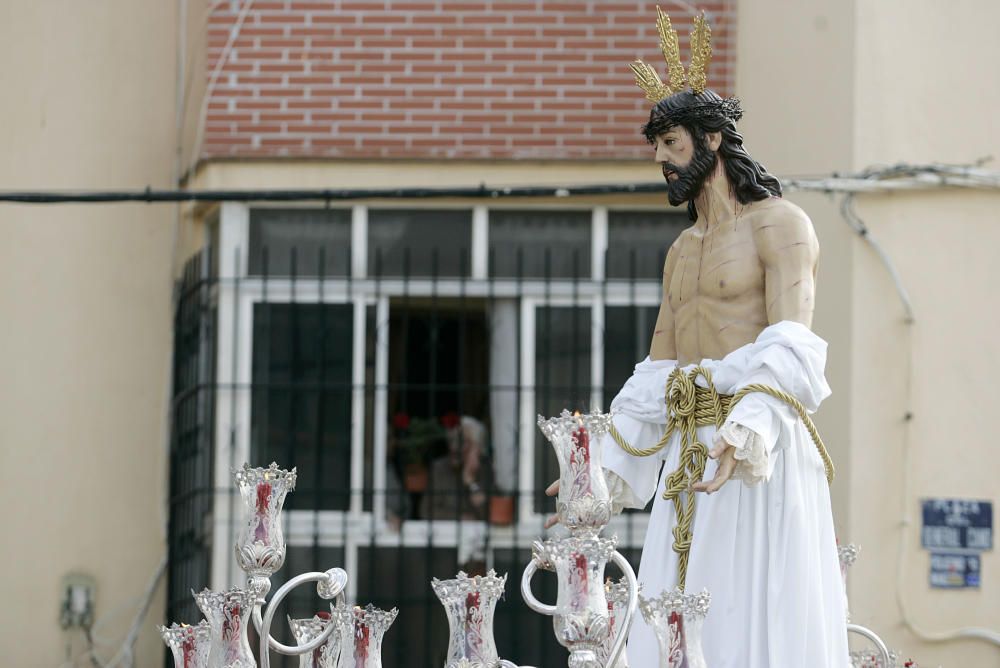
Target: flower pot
415,478
502,510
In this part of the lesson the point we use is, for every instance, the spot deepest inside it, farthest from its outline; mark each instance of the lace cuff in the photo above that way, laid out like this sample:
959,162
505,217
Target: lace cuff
751,455
622,495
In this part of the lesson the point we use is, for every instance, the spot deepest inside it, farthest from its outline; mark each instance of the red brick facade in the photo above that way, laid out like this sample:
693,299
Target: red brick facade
440,78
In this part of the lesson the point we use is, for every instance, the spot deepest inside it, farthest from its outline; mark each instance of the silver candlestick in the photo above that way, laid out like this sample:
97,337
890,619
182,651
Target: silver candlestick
306,630
676,619
190,645
361,631
580,616
617,594
260,551
469,603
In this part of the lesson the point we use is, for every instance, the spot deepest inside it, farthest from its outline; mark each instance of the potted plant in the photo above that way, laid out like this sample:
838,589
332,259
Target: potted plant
415,441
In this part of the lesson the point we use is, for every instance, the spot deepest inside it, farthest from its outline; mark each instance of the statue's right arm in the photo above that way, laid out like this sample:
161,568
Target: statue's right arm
664,343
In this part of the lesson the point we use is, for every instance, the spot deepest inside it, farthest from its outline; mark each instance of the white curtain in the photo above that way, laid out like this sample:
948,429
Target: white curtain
503,395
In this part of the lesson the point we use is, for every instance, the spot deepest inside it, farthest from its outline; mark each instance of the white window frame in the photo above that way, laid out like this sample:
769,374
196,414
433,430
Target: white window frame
356,527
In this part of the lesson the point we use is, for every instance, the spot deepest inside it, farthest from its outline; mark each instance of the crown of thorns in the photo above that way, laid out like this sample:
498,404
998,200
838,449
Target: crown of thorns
685,115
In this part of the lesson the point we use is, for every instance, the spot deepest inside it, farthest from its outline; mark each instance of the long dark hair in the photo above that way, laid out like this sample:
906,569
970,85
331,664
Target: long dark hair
707,112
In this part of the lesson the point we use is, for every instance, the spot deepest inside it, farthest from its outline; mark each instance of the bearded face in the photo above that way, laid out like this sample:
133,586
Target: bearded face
686,161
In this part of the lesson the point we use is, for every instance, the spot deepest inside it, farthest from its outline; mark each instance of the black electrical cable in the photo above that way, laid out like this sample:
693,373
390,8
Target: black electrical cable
150,196
482,191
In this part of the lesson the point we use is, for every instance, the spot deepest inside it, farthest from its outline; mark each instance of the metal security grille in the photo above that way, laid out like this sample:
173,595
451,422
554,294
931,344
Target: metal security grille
377,352
192,443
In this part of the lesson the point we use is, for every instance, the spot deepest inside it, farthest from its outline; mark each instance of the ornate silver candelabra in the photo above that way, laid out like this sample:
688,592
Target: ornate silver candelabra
581,617
351,636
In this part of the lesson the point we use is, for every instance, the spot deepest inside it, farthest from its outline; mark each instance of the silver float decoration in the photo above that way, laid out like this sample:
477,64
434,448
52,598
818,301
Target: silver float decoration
260,547
307,630
470,603
361,631
617,594
260,551
872,658
228,613
190,645
676,618
581,617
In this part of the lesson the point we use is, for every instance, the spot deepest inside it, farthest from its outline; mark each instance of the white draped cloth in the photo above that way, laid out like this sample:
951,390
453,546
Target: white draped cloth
764,544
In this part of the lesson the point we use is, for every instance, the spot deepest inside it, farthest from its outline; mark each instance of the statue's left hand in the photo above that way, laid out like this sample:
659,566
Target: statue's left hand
725,455
552,490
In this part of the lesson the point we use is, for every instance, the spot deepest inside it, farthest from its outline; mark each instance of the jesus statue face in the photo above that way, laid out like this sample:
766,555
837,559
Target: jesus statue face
686,162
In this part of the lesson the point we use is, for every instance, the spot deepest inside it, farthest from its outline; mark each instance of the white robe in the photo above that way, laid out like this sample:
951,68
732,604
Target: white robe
764,544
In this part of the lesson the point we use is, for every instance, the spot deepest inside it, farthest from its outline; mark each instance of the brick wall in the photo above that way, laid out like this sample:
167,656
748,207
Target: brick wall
439,78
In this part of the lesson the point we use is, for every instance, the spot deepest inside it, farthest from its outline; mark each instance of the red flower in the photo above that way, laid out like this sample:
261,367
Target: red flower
450,420
400,420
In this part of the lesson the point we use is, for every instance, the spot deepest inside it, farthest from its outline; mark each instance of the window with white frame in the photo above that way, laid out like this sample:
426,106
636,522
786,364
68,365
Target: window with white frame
355,343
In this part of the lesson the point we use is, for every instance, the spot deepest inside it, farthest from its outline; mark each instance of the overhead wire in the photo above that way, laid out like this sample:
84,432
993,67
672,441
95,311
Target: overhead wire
900,177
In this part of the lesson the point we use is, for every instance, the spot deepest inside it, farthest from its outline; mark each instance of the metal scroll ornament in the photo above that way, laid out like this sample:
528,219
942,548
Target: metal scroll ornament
581,618
676,619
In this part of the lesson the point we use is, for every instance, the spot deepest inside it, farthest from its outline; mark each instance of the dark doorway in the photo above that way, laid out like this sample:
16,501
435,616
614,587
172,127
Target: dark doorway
438,358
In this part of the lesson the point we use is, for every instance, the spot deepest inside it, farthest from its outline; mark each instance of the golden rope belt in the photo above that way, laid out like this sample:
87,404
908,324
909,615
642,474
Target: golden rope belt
690,406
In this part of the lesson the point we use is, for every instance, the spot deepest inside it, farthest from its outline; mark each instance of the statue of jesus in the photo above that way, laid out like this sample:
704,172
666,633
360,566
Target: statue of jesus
723,399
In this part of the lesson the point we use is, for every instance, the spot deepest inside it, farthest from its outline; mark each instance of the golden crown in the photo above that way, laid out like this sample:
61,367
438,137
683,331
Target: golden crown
648,80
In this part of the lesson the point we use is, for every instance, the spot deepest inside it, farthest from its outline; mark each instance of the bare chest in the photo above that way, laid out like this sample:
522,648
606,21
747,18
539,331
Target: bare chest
717,265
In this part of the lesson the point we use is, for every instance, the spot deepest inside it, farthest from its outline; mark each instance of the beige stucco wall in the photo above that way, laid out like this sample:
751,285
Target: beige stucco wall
936,242
926,85
794,76
86,337
844,86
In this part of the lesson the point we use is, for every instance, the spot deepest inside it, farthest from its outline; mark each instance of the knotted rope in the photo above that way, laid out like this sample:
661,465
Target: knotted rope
690,406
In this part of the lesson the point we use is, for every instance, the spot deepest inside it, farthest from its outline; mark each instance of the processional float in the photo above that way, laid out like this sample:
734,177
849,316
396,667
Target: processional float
591,616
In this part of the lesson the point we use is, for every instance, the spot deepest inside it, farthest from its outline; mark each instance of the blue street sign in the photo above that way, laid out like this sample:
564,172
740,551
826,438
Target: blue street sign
954,571
957,525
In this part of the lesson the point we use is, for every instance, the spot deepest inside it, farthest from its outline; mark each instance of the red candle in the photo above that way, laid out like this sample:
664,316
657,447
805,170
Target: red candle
579,458
678,646
578,581
474,620
362,636
263,501
188,647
